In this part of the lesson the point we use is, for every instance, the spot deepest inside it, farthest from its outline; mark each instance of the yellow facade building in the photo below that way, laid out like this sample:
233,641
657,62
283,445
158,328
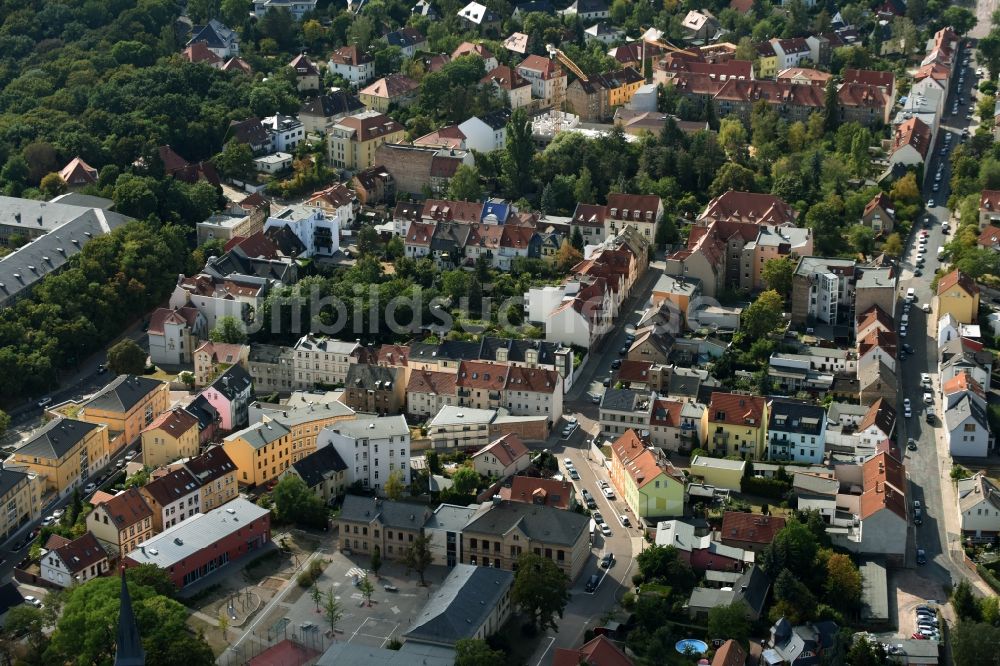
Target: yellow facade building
64,453
171,436
735,425
652,487
354,139
127,406
21,492
958,295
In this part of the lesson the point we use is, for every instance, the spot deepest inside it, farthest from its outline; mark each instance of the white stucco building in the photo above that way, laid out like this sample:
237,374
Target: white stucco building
319,232
372,447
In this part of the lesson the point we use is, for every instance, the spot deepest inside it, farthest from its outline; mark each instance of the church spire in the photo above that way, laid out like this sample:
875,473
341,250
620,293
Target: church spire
129,650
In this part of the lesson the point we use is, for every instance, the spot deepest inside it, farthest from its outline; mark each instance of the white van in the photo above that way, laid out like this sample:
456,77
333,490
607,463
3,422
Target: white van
911,294
940,253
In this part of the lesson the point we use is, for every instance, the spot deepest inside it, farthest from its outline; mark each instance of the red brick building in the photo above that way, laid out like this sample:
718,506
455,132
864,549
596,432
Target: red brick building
205,542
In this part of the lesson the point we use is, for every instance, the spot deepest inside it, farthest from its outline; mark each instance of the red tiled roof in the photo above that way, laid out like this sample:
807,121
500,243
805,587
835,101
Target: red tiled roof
773,92
551,492
639,462
815,76
535,380
883,483
127,508
79,553
468,48
483,375
759,208
737,526
989,200
634,371
881,415
885,340
957,277
874,315
913,132
961,383
432,381
990,236
161,316
336,195
736,409
350,55
505,77
548,69
171,487
78,172
598,651
372,126
199,52
420,233
731,653
869,77
508,449
589,215
666,413
391,87
444,209
303,66
859,95
637,205
389,354
879,200
175,422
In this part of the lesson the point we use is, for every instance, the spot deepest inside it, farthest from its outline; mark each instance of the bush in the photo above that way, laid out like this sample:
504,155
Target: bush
988,576
763,487
638,579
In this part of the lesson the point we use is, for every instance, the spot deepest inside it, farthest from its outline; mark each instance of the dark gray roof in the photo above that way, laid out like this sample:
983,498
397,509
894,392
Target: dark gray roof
214,34
56,437
796,416
317,464
406,515
336,103
203,410
370,377
683,384
496,119
67,229
423,350
458,610
9,479
450,237
622,400
457,350
123,393
236,262
752,589
233,381
260,435
517,349
539,523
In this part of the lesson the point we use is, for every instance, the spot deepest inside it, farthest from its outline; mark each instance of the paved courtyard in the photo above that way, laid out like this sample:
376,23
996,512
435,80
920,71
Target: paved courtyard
390,613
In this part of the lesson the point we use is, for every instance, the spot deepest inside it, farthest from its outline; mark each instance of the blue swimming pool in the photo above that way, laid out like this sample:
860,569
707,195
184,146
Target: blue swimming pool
689,645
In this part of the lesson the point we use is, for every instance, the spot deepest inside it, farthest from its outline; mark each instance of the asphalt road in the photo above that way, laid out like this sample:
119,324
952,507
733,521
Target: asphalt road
924,465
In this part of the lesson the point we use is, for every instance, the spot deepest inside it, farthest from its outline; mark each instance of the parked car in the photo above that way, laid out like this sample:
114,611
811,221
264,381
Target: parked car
605,529
918,519
615,364
573,474
911,444
44,401
596,399
602,483
921,556
608,560
89,488
592,583
598,518
623,519
623,351
925,379
610,494
928,397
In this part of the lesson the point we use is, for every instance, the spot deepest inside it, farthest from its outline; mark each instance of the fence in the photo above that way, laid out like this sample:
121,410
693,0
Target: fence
285,644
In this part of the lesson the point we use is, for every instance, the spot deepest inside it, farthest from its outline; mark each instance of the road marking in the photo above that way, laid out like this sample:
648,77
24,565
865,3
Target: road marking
355,571
552,639
395,610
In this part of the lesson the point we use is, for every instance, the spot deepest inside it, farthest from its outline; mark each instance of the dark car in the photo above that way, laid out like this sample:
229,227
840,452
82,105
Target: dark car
917,273
615,364
608,560
911,444
907,348
623,351
921,556
607,381
101,369
592,583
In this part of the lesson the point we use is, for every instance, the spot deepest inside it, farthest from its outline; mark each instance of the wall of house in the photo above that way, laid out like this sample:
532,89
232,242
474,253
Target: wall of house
160,447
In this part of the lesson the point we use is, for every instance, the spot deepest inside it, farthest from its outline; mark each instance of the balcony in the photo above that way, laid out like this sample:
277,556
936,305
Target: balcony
494,395
464,393
720,439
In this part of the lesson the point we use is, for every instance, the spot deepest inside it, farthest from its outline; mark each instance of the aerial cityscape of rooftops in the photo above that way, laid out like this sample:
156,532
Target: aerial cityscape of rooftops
499,332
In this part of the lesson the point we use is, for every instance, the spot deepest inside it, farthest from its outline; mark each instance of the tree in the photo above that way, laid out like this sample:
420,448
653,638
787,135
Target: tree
794,547
394,485
975,643
893,245
965,603
905,190
795,600
376,561
862,239
664,563
465,481
367,240
477,652
235,160
541,590
465,184
729,621
777,274
577,240
316,595
52,185
295,503
666,232
202,10
331,607
831,115
419,556
764,315
733,138
843,583
86,629
959,18
518,154
228,329
126,358
394,249
866,653
567,256
234,12
4,422
361,32
733,176
583,190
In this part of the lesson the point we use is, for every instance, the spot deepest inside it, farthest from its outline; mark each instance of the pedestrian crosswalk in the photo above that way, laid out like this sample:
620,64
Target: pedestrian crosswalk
356,571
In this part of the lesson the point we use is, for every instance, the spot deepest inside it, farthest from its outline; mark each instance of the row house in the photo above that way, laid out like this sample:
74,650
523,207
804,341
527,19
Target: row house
172,497
596,223
804,76
323,471
272,368
126,406
215,297
880,513
319,112
823,290
595,98
373,448
123,522
353,140
393,90
673,67
417,169
748,207
56,458
958,296
793,103
374,185
352,64
230,394
910,143
735,425
962,355
866,105
374,389
174,334
172,435
429,390
213,358
367,524
796,431
320,360
790,52
647,482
